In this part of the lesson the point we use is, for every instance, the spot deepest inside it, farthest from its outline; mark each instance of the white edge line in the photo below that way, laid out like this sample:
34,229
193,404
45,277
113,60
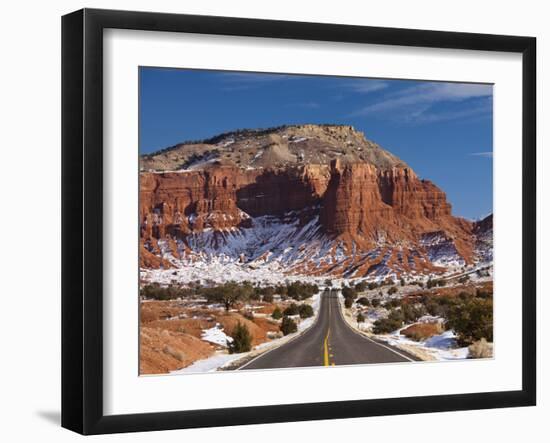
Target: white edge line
286,342
370,339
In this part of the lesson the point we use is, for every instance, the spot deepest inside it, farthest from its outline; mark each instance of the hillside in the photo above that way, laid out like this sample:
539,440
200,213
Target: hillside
299,200
274,147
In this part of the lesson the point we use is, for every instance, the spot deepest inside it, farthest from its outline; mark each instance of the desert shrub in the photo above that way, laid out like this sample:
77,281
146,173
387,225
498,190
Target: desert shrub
300,291
361,286
360,318
437,282
228,293
268,298
281,290
348,302
464,279
249,315
242,340
155,291
328,283
372,285
364,301
439,306
480,349
392,290
305,311
391,304
472,320
402,281
432,307
412,313
375,302
292,309
288,326
348,292
256,294
483,293
277,314
391,323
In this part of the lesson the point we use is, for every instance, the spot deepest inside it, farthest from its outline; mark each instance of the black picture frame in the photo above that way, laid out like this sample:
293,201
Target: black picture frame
82,218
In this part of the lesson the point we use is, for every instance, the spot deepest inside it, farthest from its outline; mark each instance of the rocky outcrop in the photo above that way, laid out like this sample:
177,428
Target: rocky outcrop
371,205
278,191
359,200
353,205
283,146
483,233
224,197
177,204
411,197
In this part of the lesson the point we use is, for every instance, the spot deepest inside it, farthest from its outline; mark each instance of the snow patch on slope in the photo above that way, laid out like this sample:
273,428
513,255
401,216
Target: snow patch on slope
441,347
441,250
292,247
217,336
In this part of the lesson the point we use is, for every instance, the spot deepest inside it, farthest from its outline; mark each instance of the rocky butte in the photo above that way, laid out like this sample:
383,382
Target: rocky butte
307,199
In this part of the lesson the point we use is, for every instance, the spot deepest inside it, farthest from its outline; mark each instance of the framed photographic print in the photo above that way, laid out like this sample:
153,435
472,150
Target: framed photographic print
253,209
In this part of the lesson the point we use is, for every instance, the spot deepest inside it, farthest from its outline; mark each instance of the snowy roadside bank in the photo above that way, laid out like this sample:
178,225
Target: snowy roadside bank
440,347
222,360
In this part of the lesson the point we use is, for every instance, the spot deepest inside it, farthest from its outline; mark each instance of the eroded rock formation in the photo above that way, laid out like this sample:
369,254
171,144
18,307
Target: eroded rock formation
357,196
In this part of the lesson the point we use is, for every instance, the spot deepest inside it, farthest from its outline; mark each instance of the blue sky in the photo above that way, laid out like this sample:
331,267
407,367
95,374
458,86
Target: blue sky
444,131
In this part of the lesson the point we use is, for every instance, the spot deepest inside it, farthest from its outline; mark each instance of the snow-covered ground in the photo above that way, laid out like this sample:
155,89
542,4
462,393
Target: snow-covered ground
315,302
286,247
440,347
441,250
210,364
222,358
216,335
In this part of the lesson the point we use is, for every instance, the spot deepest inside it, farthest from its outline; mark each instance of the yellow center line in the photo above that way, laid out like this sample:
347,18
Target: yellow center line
326,347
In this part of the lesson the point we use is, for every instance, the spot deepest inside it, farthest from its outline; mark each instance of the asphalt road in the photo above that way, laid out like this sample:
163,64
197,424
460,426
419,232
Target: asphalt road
330,341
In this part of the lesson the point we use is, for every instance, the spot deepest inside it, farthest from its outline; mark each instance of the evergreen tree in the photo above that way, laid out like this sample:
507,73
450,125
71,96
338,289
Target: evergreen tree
242,340
277,314
288,326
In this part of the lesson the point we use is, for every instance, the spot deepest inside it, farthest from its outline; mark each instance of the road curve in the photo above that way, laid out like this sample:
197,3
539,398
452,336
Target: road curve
330,341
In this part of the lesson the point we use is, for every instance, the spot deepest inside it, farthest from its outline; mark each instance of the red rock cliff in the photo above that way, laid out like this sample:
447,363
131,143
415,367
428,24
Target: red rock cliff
362,194
222,197
367,204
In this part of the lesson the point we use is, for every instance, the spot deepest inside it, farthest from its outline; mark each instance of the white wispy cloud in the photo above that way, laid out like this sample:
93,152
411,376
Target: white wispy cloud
478,108
415,103
366,86
485,154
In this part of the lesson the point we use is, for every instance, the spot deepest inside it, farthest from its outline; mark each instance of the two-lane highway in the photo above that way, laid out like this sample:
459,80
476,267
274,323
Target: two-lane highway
330,341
